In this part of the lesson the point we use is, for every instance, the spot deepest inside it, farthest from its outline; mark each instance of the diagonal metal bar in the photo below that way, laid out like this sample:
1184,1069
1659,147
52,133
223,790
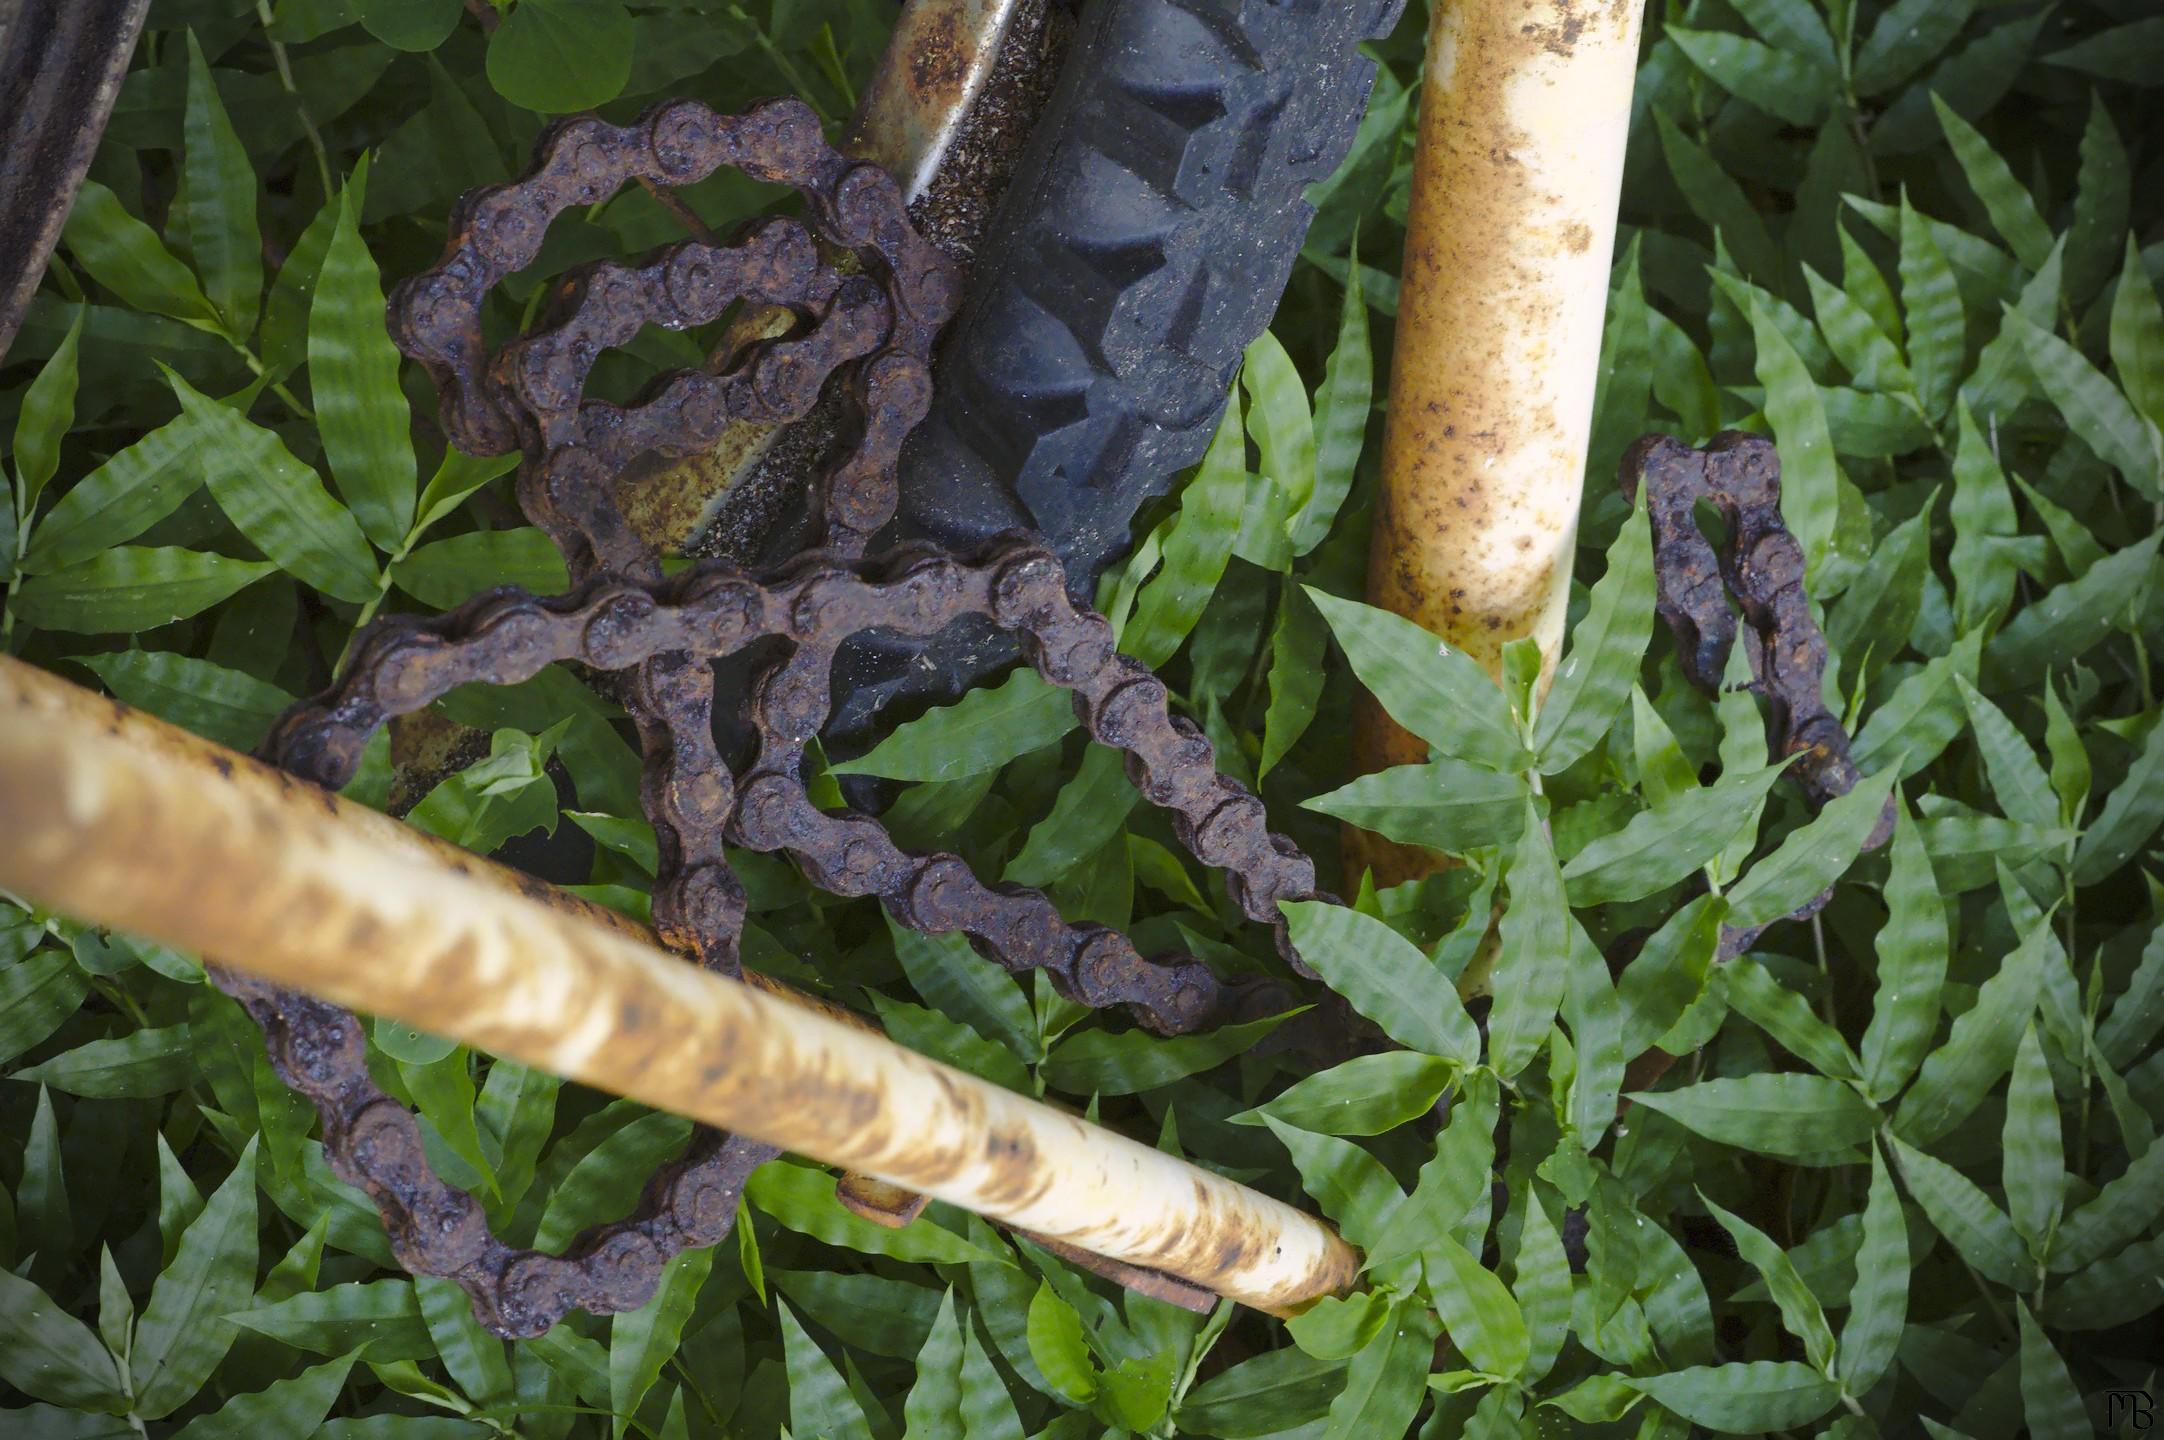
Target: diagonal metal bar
122,820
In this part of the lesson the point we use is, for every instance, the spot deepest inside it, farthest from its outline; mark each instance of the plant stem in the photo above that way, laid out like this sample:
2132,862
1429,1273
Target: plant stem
277,387
285,78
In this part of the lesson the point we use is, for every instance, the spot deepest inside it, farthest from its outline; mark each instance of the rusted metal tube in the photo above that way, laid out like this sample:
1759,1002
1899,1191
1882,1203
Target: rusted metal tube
1523,116
121,820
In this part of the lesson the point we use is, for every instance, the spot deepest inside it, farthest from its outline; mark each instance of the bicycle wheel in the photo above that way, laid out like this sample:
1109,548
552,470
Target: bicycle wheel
1143,241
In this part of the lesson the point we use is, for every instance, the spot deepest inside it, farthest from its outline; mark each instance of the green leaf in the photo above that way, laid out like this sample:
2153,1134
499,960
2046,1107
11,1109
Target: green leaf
1983,514
1386,978
1450,1196
1668,843
1089,811
1878,1301
142,1064
2012,210
278,502
1532,965
1749,1398
1981,1046
1800,1310
1434,690
1448,805
292,293
1366,1095
1057,1344
2137,335
982,731
1342,408
1908,35
962,984
2034,1162
1812,857
557,56
185,1332
1669,972
1774,1114
443,1095
1261,1396
353,367
1297,645
228,706
1810,476
988,1411
1716,198
2118,1214
2069,619
1541,1285
1864,284
1605,650
2050,1402
1787,1017
1780,82
1912,955
293,1406
1480,1313
1099,1062
1865,350
122,498
126,256
449,572
1193,549
2125,52
410,25
803,1200
935,1397
643,1341
2130,816
2070,772
37,993
218,192
1349,1184
49,1354
2017,779
1386,1381
1279,418
1931,305
2093,406
2102,203
473,1356
2138,1013
381,1318
1961,1212
819,1400
48,409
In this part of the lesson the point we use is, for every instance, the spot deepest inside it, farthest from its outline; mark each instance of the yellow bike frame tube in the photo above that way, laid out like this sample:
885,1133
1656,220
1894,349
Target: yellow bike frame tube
118,819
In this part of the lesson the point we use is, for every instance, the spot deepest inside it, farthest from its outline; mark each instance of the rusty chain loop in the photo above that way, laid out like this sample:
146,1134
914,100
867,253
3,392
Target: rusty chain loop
875,329
1761,565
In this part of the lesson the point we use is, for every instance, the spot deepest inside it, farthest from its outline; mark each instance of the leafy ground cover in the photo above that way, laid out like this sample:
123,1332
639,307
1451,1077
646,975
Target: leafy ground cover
1900,1174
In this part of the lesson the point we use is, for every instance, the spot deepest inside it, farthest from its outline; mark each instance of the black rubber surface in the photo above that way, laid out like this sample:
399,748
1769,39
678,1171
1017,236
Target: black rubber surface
1145,239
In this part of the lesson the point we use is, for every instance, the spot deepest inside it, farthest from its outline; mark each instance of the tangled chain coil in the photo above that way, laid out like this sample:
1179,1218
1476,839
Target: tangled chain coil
873,328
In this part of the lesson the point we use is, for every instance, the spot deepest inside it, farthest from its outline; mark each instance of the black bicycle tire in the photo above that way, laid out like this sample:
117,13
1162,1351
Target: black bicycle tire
1143,241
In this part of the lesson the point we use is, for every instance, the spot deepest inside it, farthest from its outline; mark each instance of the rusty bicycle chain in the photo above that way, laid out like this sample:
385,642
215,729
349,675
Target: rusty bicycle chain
1761,565
876,327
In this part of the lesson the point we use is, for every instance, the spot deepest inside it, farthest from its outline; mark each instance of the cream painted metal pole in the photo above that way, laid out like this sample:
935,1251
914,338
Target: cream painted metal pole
121,820
1523,115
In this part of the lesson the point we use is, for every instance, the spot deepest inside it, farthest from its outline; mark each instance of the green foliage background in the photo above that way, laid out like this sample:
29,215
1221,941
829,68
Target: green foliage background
1901,1175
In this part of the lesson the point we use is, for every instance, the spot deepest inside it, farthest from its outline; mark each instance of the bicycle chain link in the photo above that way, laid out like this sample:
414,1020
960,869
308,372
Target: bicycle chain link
1761,565
875,328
